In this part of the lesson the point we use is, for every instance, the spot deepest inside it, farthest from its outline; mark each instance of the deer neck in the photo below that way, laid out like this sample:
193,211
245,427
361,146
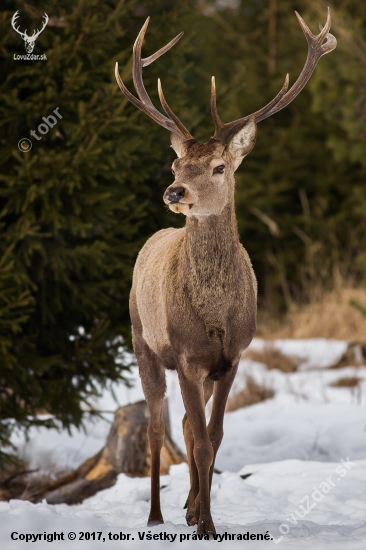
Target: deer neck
210,255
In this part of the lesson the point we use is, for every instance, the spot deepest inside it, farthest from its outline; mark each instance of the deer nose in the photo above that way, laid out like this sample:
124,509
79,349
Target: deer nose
175,194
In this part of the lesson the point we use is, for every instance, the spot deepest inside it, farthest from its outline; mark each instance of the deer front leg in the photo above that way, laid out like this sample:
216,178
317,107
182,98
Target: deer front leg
152,374
191,514
155,434
192,503
194,402
215,425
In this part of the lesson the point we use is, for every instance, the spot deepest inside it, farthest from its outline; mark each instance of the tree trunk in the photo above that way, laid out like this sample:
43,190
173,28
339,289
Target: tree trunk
126,451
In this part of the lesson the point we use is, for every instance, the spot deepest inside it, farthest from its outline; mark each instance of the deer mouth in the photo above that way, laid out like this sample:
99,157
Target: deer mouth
179,207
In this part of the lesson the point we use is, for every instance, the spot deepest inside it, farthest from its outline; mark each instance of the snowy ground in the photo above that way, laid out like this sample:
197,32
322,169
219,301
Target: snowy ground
305,449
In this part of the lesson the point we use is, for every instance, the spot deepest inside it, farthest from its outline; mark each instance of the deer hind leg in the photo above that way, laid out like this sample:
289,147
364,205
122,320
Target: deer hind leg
215,426
194,402
152,374
192,503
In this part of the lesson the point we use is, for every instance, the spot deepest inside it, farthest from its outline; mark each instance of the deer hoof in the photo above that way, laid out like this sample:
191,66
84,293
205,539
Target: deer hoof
153,522
206,527
189,519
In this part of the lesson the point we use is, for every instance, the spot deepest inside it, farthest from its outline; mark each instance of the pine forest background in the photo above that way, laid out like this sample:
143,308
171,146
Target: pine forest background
77,208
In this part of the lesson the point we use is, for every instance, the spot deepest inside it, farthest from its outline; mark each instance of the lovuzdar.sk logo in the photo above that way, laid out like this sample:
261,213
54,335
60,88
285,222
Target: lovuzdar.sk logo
29,40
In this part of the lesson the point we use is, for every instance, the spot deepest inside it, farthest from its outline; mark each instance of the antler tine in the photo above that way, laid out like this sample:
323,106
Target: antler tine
13,21
156,55
215,115
46,18
138,64
154,114
224,131
170,113
316,49
144,103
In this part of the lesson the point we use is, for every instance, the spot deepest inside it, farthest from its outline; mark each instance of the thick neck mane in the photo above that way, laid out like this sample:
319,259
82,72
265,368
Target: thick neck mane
211,240
210,263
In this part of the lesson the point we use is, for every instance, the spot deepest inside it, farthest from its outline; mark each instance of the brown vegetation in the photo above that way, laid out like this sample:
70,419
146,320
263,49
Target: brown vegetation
354,356
251,394
273,358
327,315
346,382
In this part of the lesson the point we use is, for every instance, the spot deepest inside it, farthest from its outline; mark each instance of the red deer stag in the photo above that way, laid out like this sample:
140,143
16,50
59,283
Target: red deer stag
193,297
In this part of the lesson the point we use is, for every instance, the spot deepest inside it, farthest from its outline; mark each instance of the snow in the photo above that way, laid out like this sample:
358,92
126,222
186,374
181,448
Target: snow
313,352
305,451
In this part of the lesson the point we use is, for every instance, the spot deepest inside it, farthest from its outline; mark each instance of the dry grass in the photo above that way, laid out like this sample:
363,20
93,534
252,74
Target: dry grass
273,358
354,356
253,393
329,315
346,382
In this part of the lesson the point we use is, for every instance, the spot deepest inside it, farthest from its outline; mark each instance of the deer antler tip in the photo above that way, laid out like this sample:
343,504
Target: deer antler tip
161,95
143,29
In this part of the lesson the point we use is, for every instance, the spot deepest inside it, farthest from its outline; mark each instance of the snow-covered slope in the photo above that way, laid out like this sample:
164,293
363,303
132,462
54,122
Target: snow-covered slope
305,450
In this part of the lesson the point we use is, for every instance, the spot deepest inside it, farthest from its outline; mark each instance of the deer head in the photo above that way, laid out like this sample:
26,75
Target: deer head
29,40
204,172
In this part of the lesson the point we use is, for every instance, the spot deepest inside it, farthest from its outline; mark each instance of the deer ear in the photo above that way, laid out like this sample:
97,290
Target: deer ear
177,144
243,142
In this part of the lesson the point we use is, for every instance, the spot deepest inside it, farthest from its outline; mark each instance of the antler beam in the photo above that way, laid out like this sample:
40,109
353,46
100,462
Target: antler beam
13,21
316,49
37,33
171,122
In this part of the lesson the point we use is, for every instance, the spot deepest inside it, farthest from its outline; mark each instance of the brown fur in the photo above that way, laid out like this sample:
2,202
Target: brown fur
193,309
193,298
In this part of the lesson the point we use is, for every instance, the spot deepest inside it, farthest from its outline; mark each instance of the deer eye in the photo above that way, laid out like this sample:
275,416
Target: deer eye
173,172
219,169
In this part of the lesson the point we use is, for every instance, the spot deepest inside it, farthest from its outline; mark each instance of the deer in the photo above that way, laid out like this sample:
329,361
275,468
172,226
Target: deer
193,301
29,40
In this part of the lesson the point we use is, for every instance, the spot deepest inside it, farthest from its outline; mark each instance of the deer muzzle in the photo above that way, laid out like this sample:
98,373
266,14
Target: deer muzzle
174,194
179,198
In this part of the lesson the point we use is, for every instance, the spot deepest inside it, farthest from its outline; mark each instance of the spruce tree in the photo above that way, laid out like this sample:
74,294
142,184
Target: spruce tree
76,208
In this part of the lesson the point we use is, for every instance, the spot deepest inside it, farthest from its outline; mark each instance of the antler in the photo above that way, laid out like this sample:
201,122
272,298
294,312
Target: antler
13,21
36,34
316,49
171,122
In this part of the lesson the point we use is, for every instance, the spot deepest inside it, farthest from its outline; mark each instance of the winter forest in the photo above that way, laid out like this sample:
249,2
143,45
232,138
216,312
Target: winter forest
82,178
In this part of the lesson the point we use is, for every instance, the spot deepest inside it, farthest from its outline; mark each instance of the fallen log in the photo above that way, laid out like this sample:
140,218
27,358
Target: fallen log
126,451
